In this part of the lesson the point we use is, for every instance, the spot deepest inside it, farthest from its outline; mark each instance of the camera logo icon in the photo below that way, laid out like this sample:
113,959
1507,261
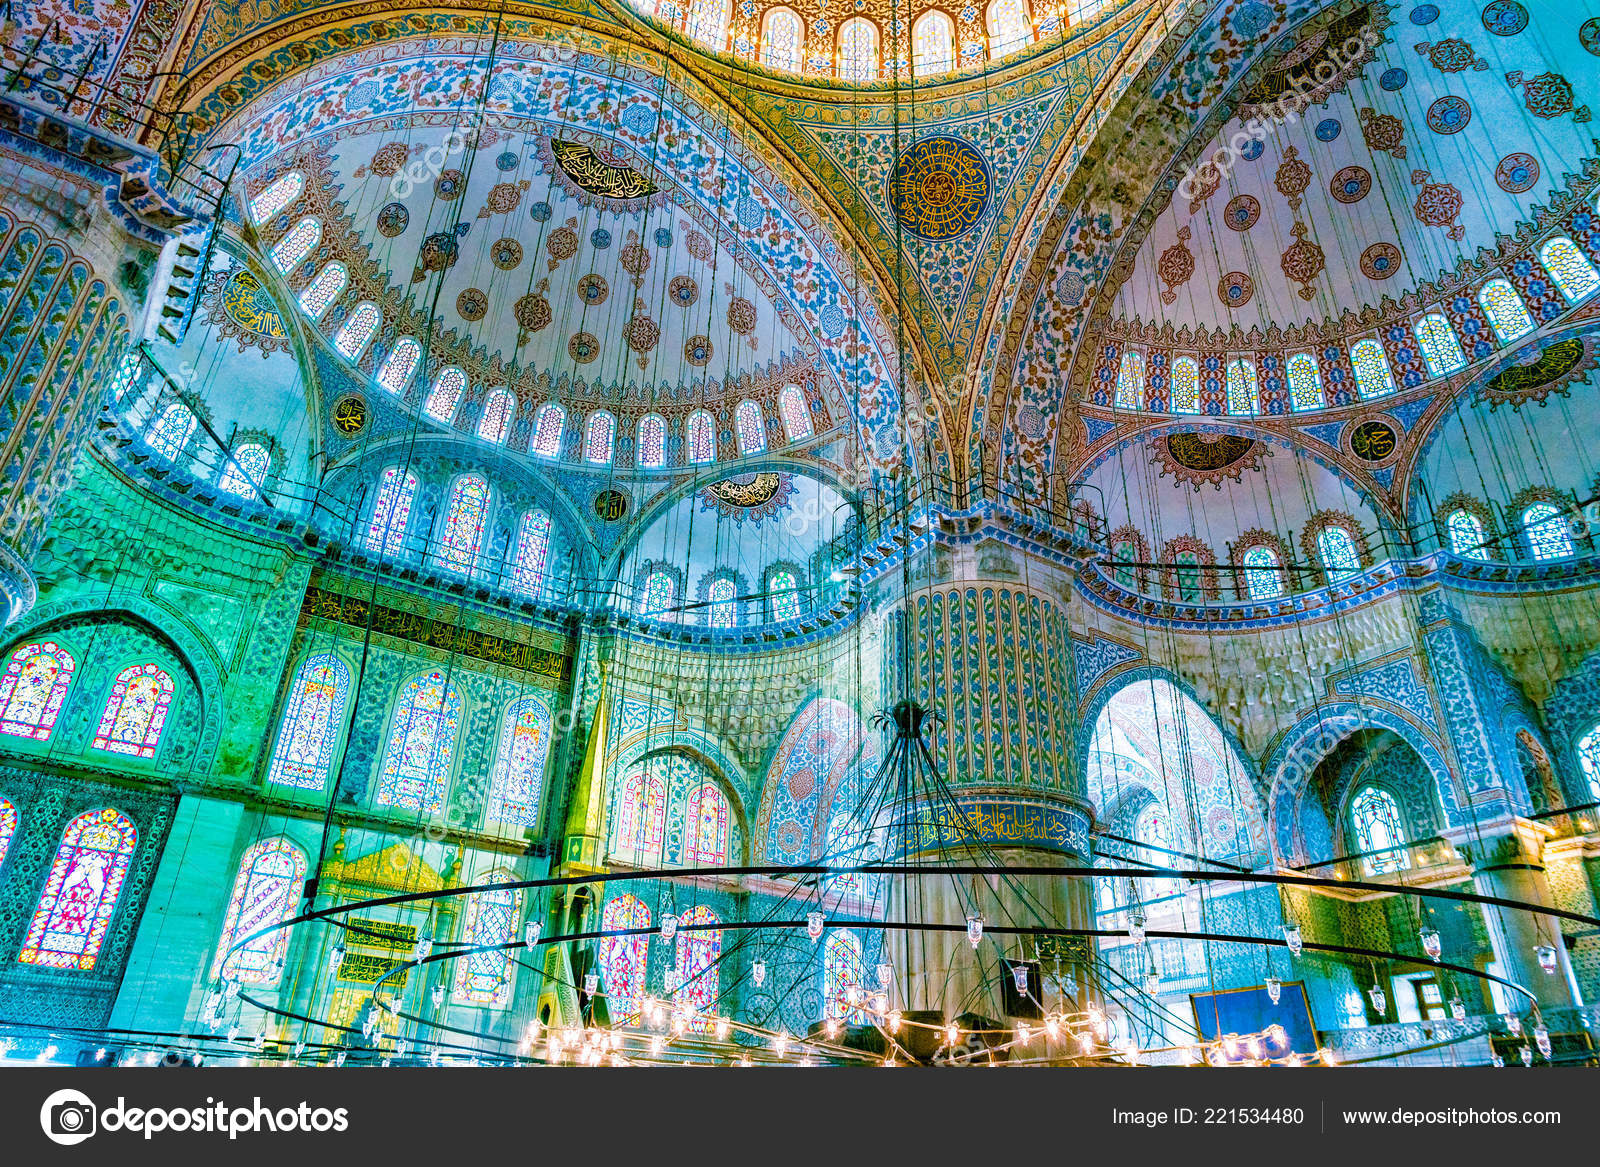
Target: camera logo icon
68,1117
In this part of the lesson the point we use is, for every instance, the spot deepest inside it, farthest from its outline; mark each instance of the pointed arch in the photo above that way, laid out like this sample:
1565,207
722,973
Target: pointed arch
484,978
322,291
297,244
622,958
266,890
136,712
79,899
398,367
781,39
698,951
308,732
498,410
858,50
640,826
532,555
548,425
33,689
843,968
464,519
702,439
517,778
1507,314
933,44
277,195
246,470
8,828
417,762
356,332
445,394
651,444
599,438
391,511
705,826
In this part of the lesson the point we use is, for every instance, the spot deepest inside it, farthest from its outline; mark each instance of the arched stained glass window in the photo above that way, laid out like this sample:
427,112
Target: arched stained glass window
622,958
246,470
781,39
1340,559
699,948
702,437
1186,569
1440,348
705,827
1546,529
517,778
721,595
842,970
547,426
8,828
783,592
1125,554
1372,368
1505,310
1569,267
1185,385
498,409
445,394
297,243
1305,382
533,554
135,712
391,512
463,523
484,978
1153,829
74,911
1467,537
1378,829
320,292
1009,27
265,892
395,374
32,689
708,23
933,44
858,50
357,330
793,413
1588,758
1244,397
652,441
172,431
277,195
309,731
422,745
1130,381
641,823
598,437
750,427
1263,580
660,592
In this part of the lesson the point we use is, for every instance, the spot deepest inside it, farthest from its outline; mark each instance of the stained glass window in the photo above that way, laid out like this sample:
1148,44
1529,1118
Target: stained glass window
702,437
708,22
74,910
357,330
699,948
1440,348
1187,572
445,394
933,44
1130,381
1243,394
1546,529
127,370
303,755
1340,560
1569,267
484,978
721,594
1008,26
1467,536
395,372
652,441
319,293
622,958
246,470
783,590
391,512
793,413
296,244
277,195
533,553
1588,758
8,828
265,892
1305,382
547,426
135,712
1262,579
598,436
1372,368
1377,822
1153,828
172,431
781,38
842,969
517,778
1185,385
422,745
660,590
858,50
750,427
498,409
463,523
705,827
32,689
641,815
1124,553
1505,310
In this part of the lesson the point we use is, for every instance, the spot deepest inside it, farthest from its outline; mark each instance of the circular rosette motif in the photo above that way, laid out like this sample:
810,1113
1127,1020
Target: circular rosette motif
1174,267
449,185
1383,131
697,351
1449,115
582,347
388,160
504,197
1438,204
1302,262
532,313
635,259
741,316
1380,261
392,220
562,245
439,252
1235,289
1505,18
1516,173
642,335
698,246
1242,212
472,304
1589,35
683,291
940,188
593,290
1350,185
505,254
1292,178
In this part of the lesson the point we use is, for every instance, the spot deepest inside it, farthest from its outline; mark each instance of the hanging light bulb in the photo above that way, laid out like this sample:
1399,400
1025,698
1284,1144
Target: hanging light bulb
1458,1008
1188,1056
233,1033
1526,1053
744,1061
814,923
261,1039
657,1044
669,926
300,1048
1497,1061
832,1028
758,972
1052,1027
1513,1024
438,996
1152,981
591,983
680,1024
1380,1001
338,1058
401,1048
852,994
1547,957
722,1027
1292,937
1292,1061
952,1034
336,957
1136,927
780,1042
1255,1048
885,974
1328,1057
974,930
1019,977
1541,1038
880,1002
1085,1041
894,1023
1130,1049
805,1060
423,947
1274,989
213,1002
1431,944
1024,1034
1230,1047
530,932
